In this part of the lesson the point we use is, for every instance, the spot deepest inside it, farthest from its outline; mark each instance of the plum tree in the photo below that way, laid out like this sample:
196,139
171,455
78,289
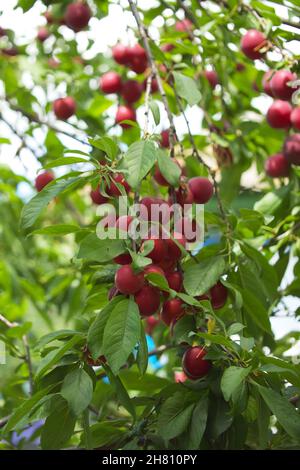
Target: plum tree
194,363
111,82
127,281
43,179
201,189
77,15
279,114
252,43
64,108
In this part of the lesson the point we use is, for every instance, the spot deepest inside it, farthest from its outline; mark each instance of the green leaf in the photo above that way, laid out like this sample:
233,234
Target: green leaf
231,380
77,389
186,88
121,333
142,355
26,4
66,161
93,248
54,356
269,203
53,336
169,169
103,434
54,230
235,328
283,410
96,330
139,159
106,144
121,391
58,427
198,424
155,112
256,311
32,210
174,417
199,278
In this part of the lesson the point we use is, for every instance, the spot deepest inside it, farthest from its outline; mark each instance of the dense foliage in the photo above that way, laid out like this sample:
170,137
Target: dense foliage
103,351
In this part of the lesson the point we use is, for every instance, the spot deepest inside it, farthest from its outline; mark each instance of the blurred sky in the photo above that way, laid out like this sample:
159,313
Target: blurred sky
106,32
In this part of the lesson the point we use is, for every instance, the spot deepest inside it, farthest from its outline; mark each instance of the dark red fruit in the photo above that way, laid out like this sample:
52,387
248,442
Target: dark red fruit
172,310
151,323
125,113
97,198
165,138
121,54
155,209
184,195
131,91
291,149
174,252
113,190
277,166
42,34
77,16
127,281
148,300
218,295
194,364
175,280
184,25
64,108
266,82
295,118
279,84
153,269
159,250
138,59
252,42
123,259
279,114
111,82
189,228
201,188
93,362
154,85
212,77
167,47
123,222
43,179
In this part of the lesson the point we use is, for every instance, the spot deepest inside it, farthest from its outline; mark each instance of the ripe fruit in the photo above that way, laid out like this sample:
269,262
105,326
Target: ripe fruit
93,362
189,228
111,82
10,51
201,188
167,47
252,42
159,250
184,25
279,84
113,190
172,310
180,377
212,77
184,195
148,300
96,197
64,108
279,114
77,16
277,166
155,209
165,138
125,113
159,178
131,91
266,82
123,222
154,85
43,179
138,61
42,34
124,258
49,17
153,269
218,295
127,281
194,364
295,118
291,149
167,264
151,323
174,280
174,252
121,54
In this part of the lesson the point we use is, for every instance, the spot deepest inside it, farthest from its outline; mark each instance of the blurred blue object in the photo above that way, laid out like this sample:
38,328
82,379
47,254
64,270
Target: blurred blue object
153,360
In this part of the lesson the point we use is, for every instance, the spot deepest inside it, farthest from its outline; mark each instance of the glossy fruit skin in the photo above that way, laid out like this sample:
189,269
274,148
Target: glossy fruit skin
172,310
42,34
96,197
279,86
124,258
175,280
148,300
295,118
266,83
123,222
218,295
77,16
168,264
113,190
201,188
125,113
184,25
121,54
165,138
153,269
151,323
279,114
252,42
127,281
212,77
43,179
159,178
167,47
184,195
159,250
189,228
111,82
277,166
131,91
155,209
291,149
64,108
138,59
194,363
174,252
